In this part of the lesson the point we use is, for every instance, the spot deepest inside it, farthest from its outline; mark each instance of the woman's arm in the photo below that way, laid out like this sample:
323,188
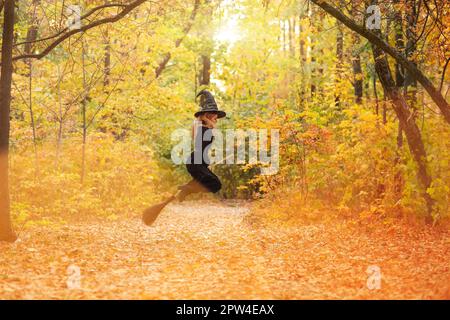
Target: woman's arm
197,123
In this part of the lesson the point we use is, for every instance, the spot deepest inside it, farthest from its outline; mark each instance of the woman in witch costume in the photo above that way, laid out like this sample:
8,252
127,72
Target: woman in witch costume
203,179
197,163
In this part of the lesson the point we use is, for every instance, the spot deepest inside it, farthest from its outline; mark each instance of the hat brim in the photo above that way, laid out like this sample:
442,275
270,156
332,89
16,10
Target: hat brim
220,113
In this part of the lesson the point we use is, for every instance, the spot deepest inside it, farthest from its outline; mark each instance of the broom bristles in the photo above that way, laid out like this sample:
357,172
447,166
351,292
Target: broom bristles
151,213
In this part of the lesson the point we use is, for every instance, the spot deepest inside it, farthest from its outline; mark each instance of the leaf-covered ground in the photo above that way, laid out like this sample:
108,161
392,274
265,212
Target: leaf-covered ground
210,251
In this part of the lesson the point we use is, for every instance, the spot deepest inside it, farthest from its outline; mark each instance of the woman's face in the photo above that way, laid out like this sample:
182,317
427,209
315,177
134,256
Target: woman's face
212,117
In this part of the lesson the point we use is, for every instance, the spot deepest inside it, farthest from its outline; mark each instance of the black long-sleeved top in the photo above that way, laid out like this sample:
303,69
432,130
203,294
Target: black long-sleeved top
202,143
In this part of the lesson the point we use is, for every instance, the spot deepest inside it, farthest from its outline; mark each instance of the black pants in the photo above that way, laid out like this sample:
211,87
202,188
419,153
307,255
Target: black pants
204,177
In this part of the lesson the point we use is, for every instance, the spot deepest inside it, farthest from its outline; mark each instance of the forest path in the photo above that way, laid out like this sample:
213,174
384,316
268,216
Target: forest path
209,251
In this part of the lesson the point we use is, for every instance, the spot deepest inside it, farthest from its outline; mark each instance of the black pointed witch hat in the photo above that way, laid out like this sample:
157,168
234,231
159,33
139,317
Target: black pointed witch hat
208,104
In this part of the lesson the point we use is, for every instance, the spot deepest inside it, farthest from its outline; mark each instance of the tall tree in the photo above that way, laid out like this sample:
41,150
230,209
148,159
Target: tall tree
400,82
106,55
291,25
356,62
302,59
339,62
84,102
32,34
205,58
399,43
6,232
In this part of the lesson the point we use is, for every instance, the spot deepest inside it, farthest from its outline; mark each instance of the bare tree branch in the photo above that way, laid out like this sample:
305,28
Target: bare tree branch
410,66
439,24
127,9
187,28
87,15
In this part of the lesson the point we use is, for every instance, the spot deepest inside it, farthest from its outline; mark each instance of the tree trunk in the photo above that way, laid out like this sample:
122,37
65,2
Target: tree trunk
399,181
291,26
411,23
83,113
60,117
400,82
339,63
410,128
106,55
357,74
6,232
302,60
375,94
316,55
32,34
107,59
399,45
205,74
356,64
162,65
301,46
312,51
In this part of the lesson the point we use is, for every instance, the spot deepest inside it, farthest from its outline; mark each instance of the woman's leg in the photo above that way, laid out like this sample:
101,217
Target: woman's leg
205,177
204,180
210,181
191,187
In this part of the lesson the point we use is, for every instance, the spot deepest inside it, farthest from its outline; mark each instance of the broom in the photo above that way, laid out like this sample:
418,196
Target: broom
151,213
